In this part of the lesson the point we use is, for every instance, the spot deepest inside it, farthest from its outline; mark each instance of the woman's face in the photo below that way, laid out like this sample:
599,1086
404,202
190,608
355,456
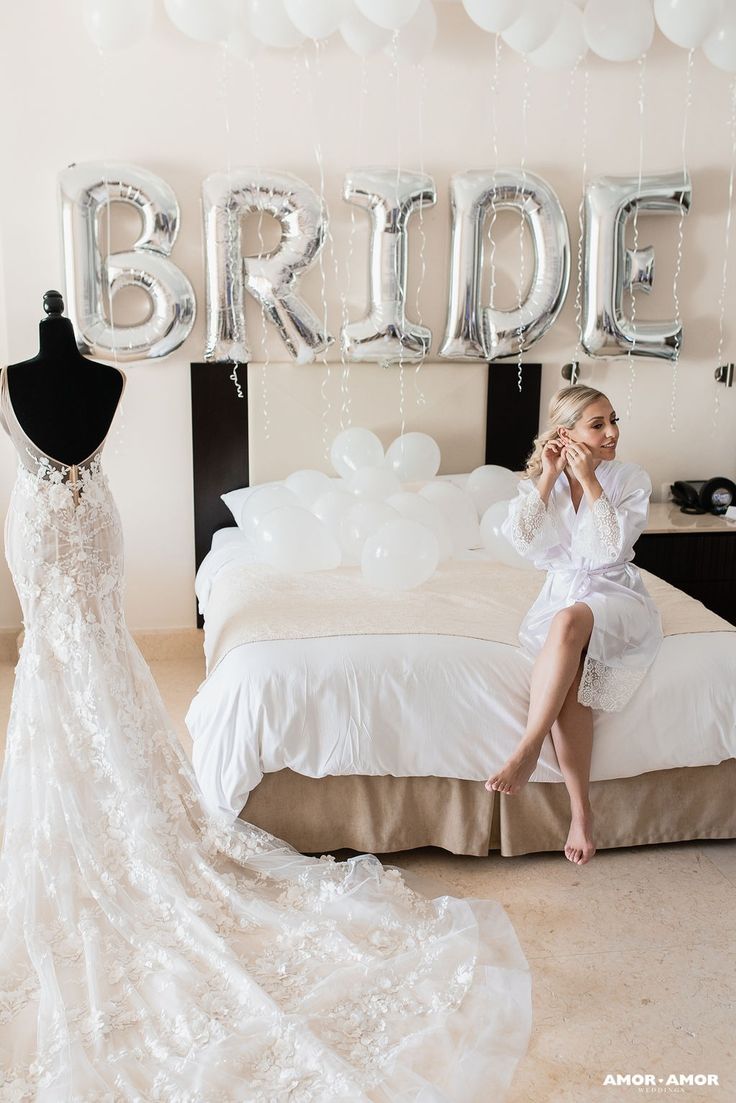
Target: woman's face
597,427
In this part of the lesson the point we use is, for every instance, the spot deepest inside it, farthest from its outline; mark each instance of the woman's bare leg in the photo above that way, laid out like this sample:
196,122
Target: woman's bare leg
572,735
553,672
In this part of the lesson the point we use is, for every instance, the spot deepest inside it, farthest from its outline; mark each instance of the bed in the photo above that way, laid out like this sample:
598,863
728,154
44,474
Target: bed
380,741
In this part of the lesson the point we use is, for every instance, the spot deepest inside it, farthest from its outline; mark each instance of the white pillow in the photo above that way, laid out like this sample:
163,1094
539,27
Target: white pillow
235,499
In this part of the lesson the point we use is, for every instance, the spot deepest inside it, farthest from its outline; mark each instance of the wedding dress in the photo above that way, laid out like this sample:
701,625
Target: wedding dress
152,951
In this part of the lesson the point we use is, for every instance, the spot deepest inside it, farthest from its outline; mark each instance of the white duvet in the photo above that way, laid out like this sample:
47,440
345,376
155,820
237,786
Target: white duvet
421,705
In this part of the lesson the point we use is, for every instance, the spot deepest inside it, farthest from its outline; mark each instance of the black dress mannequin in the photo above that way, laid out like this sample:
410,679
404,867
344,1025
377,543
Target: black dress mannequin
65,404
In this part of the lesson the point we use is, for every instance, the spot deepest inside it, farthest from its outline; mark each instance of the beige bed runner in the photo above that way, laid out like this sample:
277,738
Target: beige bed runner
478,599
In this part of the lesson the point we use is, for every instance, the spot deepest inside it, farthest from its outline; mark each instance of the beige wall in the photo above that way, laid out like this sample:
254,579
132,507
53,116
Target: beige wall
162,105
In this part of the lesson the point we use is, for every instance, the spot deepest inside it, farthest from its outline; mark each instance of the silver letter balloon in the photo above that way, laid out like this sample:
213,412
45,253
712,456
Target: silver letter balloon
389,196
610,268
227,198
474,332
92,280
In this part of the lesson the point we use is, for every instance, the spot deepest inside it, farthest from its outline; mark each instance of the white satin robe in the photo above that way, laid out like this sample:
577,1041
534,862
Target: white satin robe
587,556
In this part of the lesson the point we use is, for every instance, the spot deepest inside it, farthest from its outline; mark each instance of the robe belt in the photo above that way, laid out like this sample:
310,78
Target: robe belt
579,584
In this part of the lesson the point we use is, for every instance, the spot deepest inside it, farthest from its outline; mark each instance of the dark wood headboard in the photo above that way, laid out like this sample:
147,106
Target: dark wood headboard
220,435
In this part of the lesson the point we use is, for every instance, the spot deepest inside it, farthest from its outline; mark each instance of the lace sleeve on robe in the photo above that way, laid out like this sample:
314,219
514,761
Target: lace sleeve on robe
609,530
530,525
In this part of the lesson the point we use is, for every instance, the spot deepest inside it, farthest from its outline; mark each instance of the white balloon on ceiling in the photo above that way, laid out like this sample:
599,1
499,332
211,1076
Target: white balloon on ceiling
115,26
618,32
552,34
720,45
317,18
686,22
416,38
392,14
361,35
535,24
204,20
493,15
566,45
271,24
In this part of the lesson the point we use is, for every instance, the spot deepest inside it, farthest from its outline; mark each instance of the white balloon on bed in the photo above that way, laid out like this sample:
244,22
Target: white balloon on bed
262,502
413,456
331,507
402,554
361,521
355,448
373,482
495,541
416,508
308,485
491,483
459,510
291,538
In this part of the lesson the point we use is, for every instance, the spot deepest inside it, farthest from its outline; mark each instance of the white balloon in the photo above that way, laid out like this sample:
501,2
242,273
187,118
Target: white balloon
113,25
686,22
361,35
242,44
391,14
720,45
566,45
308,485
204,20
373,482
261,502
293,539
459,510
331,508
493,15
416,38
316,18
535,24
400,555
495,541
491,483
618,32
270,23
362,519
355,448
413,456
416,508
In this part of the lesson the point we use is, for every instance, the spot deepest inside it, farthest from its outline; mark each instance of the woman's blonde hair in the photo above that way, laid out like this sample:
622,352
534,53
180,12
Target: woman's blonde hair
565,407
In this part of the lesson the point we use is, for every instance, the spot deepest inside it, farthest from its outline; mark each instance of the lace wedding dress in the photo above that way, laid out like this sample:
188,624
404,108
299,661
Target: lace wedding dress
151,951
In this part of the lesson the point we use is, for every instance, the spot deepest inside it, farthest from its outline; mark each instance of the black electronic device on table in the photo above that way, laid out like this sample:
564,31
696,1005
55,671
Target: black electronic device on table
704,495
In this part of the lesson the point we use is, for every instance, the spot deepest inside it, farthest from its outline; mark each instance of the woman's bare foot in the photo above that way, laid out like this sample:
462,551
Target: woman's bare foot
579,847
515,772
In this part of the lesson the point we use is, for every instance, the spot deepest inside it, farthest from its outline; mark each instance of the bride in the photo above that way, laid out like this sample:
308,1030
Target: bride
152,951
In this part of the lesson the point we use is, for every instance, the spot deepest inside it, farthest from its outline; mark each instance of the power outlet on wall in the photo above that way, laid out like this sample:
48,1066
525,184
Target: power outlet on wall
665,494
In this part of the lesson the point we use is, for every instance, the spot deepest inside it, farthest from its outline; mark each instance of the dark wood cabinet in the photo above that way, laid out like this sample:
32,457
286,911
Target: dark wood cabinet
703,564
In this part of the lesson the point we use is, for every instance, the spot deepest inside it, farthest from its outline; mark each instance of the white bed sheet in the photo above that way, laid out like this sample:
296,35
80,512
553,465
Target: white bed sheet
430,705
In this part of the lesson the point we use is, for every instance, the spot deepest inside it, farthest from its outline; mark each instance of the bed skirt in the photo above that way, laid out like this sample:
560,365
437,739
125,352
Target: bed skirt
381,815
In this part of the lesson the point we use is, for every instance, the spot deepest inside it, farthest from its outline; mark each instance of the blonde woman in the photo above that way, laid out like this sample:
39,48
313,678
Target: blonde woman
593,630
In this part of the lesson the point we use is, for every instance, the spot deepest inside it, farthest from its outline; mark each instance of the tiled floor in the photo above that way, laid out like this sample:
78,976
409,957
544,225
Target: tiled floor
633,956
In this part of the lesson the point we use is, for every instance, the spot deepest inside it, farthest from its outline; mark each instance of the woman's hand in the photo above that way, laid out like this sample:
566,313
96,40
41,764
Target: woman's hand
553,457
580,459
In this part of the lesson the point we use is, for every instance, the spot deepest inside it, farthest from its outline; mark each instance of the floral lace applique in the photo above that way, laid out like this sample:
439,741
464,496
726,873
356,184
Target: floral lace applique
533,524
599,536
607,687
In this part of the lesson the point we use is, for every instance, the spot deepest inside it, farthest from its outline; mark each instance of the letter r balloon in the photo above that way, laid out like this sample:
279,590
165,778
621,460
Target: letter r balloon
270,279
85,190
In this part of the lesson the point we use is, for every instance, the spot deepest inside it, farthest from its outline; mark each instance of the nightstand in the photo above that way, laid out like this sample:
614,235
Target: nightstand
695,552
